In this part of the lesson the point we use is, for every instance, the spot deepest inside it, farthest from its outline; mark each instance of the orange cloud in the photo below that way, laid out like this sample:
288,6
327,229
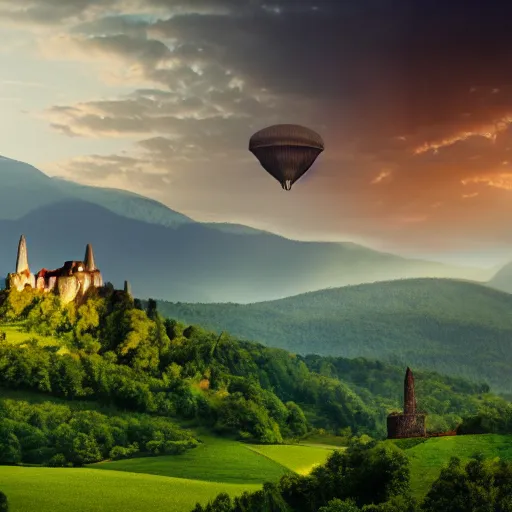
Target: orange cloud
381,176
501,180
469,196
489,131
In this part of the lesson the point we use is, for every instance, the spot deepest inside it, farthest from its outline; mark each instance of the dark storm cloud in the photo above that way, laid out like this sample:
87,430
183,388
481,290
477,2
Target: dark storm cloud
424,70
397,65
412,97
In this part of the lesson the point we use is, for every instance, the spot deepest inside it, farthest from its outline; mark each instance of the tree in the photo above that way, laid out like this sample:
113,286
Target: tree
151,309
296,421
4,505
481,486
337,505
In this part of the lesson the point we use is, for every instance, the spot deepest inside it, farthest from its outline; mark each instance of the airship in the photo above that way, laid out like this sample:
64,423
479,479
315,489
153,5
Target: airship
286,151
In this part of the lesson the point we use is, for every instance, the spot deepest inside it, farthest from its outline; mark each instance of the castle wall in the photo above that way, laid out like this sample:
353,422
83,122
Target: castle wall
18,280
68,288
406,425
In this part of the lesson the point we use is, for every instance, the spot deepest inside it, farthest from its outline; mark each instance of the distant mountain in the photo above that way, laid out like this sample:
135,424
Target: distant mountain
168,255
23,189
453,327
122,202
192,262
502,280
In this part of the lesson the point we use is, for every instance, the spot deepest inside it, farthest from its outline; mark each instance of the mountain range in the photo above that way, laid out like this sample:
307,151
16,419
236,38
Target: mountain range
457,328
167,255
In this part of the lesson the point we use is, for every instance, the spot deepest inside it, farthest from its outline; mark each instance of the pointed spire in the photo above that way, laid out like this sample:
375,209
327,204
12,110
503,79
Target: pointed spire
22,257
409,397
127,288
89,258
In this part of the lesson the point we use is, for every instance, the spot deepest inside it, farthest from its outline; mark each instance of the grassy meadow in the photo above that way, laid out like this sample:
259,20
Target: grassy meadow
31,489
216,460
166,483
15,333
429,457
297,458
176,483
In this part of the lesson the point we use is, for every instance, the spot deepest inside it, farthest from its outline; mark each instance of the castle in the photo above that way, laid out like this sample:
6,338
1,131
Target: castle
74,278
409,423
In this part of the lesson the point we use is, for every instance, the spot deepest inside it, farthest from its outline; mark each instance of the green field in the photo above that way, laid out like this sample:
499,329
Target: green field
15,334
168,483
176,483
429,457
216,460
87,490
300,459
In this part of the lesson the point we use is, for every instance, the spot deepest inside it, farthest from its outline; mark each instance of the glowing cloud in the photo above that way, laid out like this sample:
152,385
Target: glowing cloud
381,176
498,180
489,131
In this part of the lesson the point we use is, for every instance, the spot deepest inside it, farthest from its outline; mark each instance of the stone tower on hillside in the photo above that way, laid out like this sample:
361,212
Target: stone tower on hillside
409,397
409,423
22,256
22,277
71,280
90,266
127,288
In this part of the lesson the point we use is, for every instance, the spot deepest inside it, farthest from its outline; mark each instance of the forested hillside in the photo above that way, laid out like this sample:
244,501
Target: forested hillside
110,351
453,327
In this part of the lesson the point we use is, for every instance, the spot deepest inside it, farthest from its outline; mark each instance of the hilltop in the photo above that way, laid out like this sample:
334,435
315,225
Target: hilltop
170,256
453,327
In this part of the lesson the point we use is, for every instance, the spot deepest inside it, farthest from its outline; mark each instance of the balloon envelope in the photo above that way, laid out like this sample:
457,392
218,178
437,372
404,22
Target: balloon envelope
286,151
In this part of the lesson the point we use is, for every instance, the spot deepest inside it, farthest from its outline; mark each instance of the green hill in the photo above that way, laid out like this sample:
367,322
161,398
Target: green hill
453,327
88,490
115,488
428,456
214,460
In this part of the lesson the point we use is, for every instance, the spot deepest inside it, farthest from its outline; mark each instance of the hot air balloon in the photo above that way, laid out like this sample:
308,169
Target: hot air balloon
286,151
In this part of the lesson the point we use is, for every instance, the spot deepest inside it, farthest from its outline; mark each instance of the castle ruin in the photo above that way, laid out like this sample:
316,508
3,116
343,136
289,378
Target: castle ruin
410,423
74,278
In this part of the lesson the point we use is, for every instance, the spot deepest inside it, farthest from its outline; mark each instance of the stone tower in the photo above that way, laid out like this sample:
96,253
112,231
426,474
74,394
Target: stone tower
22,257
127,288
409,397
89,259
410,423
22,277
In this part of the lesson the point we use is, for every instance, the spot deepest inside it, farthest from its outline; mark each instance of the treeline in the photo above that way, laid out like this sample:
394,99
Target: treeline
446,400
374,477
57,436
442,325
111,350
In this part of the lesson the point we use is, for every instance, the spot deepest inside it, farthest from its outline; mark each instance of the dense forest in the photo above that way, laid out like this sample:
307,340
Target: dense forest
371,476
452,327
110,351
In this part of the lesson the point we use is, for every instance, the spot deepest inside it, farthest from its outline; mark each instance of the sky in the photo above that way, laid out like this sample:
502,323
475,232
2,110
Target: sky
160,97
